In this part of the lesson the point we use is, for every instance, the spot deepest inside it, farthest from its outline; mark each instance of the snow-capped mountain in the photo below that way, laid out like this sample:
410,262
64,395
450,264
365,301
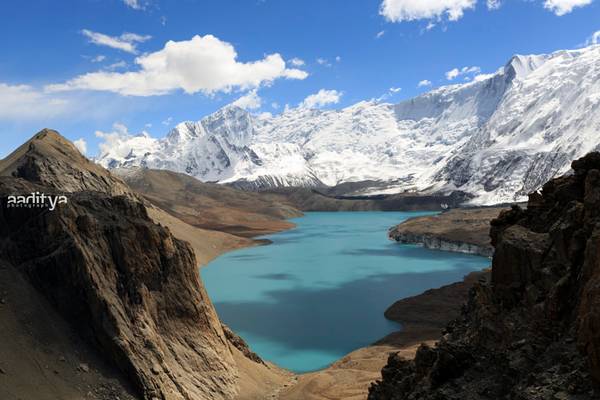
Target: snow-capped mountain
498,137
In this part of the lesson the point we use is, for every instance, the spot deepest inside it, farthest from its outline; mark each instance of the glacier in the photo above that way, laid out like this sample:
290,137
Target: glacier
498,137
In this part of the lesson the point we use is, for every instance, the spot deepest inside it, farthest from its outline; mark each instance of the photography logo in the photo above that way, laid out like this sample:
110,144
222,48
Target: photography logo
36,200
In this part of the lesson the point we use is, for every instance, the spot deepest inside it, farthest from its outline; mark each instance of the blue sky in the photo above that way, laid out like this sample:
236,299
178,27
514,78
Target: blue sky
71,65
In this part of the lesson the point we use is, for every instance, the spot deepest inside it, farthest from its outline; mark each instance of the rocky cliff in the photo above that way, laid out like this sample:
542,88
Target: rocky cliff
460,230
532,331
124,283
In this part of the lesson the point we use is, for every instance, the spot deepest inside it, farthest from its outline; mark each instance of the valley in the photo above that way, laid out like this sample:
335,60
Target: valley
315,200
237,219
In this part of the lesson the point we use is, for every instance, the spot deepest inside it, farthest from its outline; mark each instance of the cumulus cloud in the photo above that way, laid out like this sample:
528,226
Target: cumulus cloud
562,7
202,64
25,102
297,62
410,10
322,98
249,101
424,83
120,143
380,34
81,145
126,42
454,73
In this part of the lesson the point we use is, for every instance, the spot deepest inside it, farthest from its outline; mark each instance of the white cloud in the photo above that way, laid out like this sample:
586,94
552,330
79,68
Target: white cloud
321,98
493,4
424,83
391,92
135,4
562,7
120,143
126,42
275,105
81,145
454,73
410,10
297,62
249,101
19,102
168,121
380,34
202,64
98,58
338,59
323,61
116,65
594,39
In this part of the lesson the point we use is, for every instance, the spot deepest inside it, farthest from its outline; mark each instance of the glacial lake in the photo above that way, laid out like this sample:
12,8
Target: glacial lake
319,291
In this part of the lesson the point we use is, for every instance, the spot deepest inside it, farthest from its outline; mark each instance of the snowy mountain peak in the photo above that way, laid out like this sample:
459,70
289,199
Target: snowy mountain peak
520,66
498,137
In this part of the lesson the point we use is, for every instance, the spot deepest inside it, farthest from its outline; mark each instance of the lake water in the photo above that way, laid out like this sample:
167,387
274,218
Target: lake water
319,291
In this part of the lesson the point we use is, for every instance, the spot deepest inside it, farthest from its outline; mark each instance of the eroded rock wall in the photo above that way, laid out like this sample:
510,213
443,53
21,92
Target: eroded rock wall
534,331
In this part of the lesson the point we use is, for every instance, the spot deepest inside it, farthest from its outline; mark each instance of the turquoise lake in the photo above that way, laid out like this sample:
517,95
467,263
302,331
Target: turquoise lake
319,291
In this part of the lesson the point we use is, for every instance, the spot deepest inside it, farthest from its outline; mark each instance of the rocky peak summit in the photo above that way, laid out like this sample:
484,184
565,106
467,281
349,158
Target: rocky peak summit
51,160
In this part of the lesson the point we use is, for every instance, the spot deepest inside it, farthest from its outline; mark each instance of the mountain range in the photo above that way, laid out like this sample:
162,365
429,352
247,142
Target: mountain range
498,137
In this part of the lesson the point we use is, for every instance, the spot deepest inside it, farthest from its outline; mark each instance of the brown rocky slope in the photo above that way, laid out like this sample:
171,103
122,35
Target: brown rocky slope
127,285
122,282
532,332
209,205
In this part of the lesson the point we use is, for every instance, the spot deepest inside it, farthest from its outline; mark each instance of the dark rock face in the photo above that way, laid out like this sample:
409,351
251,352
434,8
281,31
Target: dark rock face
534,331
126,284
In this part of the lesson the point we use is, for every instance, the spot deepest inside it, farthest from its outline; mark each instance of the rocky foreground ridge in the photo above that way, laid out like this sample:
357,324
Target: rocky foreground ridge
124,283
532,331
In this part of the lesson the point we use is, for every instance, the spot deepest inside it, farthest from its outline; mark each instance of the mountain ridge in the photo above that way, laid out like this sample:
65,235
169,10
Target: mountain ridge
498,137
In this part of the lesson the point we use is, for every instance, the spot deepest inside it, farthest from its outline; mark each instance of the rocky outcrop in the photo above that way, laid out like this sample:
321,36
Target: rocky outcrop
51,160
532,332
124,283
127,285
463,230
438,243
